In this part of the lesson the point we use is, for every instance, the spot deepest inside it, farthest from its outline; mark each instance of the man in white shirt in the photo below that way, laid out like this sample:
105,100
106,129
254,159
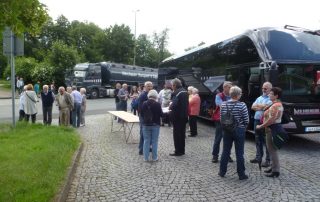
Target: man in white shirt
76,113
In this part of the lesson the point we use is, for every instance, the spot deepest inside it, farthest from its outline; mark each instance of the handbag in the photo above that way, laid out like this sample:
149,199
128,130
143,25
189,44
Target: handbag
285,118
279,135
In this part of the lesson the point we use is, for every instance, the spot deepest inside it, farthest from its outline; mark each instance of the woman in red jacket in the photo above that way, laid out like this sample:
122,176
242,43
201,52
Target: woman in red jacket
194,109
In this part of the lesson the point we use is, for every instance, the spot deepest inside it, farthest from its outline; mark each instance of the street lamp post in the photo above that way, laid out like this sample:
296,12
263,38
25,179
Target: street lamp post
135,36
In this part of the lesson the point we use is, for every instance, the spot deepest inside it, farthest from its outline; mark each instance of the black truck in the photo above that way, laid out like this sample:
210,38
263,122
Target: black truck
99,79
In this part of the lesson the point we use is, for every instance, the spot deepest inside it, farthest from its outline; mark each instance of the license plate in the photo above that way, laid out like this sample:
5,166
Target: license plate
312,129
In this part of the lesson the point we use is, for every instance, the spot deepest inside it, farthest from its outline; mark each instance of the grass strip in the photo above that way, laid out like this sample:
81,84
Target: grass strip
34,160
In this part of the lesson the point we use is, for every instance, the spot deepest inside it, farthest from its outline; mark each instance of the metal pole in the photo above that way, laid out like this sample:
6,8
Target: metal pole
12,79
135,37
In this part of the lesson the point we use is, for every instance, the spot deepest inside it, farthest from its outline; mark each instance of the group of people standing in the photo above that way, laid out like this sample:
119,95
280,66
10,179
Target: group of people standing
28,104
269,106
178,115
184,106
72,105
175,99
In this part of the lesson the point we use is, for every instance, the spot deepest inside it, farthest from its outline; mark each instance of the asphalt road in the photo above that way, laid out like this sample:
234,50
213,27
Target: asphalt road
97,106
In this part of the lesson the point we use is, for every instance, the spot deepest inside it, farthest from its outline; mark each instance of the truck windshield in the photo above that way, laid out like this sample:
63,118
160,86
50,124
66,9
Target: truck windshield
300,79
80,73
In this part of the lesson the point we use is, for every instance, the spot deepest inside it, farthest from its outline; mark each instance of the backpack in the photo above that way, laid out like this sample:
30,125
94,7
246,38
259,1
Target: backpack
148,115
228,122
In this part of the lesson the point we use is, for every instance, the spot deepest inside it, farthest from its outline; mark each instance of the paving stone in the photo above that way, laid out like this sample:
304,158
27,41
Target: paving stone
111,170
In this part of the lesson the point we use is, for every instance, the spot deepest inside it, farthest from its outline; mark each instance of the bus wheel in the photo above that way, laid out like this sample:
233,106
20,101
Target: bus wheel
94,94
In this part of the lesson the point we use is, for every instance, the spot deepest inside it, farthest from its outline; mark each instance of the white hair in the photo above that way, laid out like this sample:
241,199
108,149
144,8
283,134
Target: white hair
83,90
153,94
235,91
195,91
190,88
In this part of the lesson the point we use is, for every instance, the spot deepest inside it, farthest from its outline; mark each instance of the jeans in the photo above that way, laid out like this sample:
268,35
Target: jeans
76,115
141,135
217,139
260,142
151,136
238,137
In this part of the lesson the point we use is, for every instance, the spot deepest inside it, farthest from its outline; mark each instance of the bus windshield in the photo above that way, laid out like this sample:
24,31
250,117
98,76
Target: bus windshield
299,79
291,45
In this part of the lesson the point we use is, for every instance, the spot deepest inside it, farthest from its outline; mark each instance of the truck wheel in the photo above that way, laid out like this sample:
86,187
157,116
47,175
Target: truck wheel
94,94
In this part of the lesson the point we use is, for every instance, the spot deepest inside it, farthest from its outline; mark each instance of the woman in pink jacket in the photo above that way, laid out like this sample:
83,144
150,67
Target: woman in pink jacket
194,109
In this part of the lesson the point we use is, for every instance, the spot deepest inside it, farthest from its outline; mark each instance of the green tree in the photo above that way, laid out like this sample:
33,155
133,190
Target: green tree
85,38
3,64
117,44
22,15
62,58
146,53
160,42
43,72
23,68
60,31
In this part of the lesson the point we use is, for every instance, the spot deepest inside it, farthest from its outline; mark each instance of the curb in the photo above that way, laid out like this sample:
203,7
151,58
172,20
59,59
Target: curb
64,190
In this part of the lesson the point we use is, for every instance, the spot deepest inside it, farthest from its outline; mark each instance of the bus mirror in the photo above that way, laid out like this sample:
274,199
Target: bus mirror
268,65
262,65
274,65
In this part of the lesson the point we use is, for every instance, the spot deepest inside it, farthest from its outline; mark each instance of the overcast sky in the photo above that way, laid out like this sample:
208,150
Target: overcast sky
190,21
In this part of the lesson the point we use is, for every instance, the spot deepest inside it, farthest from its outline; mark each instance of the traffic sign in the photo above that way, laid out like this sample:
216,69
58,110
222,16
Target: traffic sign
17,48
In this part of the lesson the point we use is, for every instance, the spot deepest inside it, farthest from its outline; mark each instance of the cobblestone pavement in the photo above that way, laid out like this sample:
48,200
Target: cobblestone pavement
111,170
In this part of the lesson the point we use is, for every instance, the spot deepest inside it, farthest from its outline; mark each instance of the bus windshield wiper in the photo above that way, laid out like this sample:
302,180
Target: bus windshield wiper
300,29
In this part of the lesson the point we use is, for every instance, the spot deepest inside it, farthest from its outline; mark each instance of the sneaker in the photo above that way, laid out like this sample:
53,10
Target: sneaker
265,164
155,160
215,159
140,153
243,177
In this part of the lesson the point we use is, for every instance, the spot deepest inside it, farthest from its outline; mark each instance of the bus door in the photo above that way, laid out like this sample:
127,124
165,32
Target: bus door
239,76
